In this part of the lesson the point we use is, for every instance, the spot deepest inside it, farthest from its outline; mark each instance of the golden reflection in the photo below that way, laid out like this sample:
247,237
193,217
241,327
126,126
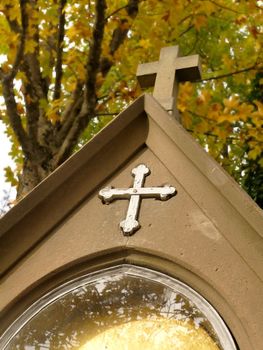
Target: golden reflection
152,335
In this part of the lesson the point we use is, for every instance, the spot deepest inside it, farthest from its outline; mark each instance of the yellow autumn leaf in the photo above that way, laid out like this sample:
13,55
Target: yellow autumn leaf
187,88
257,116
233,118
244,111
12,52
221,132
187,120
260,107
185,93
241,19
230,118
214,111
213,115
223,118
71,57
14,13
53,116
231,104
182,106
257,120
5,3
202,127
255,152
252,133
30,46
260,137
145,43
207,7
22,76
56,103
72,32
43,103
80,69
5,67
204,97
228,62
10,177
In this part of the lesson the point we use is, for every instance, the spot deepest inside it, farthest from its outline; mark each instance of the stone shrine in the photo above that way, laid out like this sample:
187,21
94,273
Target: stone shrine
184,272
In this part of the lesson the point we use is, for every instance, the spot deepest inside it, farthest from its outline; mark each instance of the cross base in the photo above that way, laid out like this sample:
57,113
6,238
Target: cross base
165,75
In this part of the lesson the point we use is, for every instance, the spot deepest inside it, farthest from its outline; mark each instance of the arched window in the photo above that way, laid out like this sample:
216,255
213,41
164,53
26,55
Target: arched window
120,308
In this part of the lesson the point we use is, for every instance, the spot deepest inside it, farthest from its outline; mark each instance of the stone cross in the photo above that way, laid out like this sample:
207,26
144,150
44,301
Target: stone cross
165,74
134,194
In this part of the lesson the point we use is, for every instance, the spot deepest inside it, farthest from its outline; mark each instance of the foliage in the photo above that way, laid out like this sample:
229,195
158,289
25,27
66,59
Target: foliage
69,67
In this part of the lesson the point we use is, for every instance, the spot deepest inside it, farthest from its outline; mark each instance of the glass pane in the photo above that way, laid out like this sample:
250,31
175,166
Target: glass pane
124,308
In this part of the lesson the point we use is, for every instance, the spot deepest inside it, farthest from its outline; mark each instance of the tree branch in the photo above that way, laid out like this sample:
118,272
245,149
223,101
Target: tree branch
15,27
186,30
34,73
114,12
104,114
229,138
254,67
32,59
20,50
119,34
71,113
14,117
38,126
224,7
13,24
32,110
60,40
94,57
185,18
89,103
88,109
131,9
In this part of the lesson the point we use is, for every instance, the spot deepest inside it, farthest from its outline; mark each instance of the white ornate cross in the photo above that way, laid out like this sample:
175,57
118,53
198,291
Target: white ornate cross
135,193
165,74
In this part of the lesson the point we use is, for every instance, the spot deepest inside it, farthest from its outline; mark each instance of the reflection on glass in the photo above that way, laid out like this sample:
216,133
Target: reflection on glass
124,308
153,335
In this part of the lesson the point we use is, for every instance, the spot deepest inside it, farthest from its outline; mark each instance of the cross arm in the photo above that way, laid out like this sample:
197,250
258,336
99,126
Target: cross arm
146,74
188,68
109,194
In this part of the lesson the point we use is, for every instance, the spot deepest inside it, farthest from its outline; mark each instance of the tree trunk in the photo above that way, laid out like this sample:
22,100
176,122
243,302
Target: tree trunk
31,176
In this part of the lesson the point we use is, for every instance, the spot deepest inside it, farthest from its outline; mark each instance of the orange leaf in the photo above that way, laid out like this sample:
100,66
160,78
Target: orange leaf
200,21
20,108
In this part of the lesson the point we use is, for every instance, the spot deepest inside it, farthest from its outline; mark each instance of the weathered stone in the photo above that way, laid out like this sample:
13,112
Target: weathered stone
165,74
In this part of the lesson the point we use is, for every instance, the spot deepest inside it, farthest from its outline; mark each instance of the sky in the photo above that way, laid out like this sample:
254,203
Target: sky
5,159
5,147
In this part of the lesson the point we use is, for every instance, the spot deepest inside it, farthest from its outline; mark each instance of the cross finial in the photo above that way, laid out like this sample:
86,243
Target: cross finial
165,74
134,194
